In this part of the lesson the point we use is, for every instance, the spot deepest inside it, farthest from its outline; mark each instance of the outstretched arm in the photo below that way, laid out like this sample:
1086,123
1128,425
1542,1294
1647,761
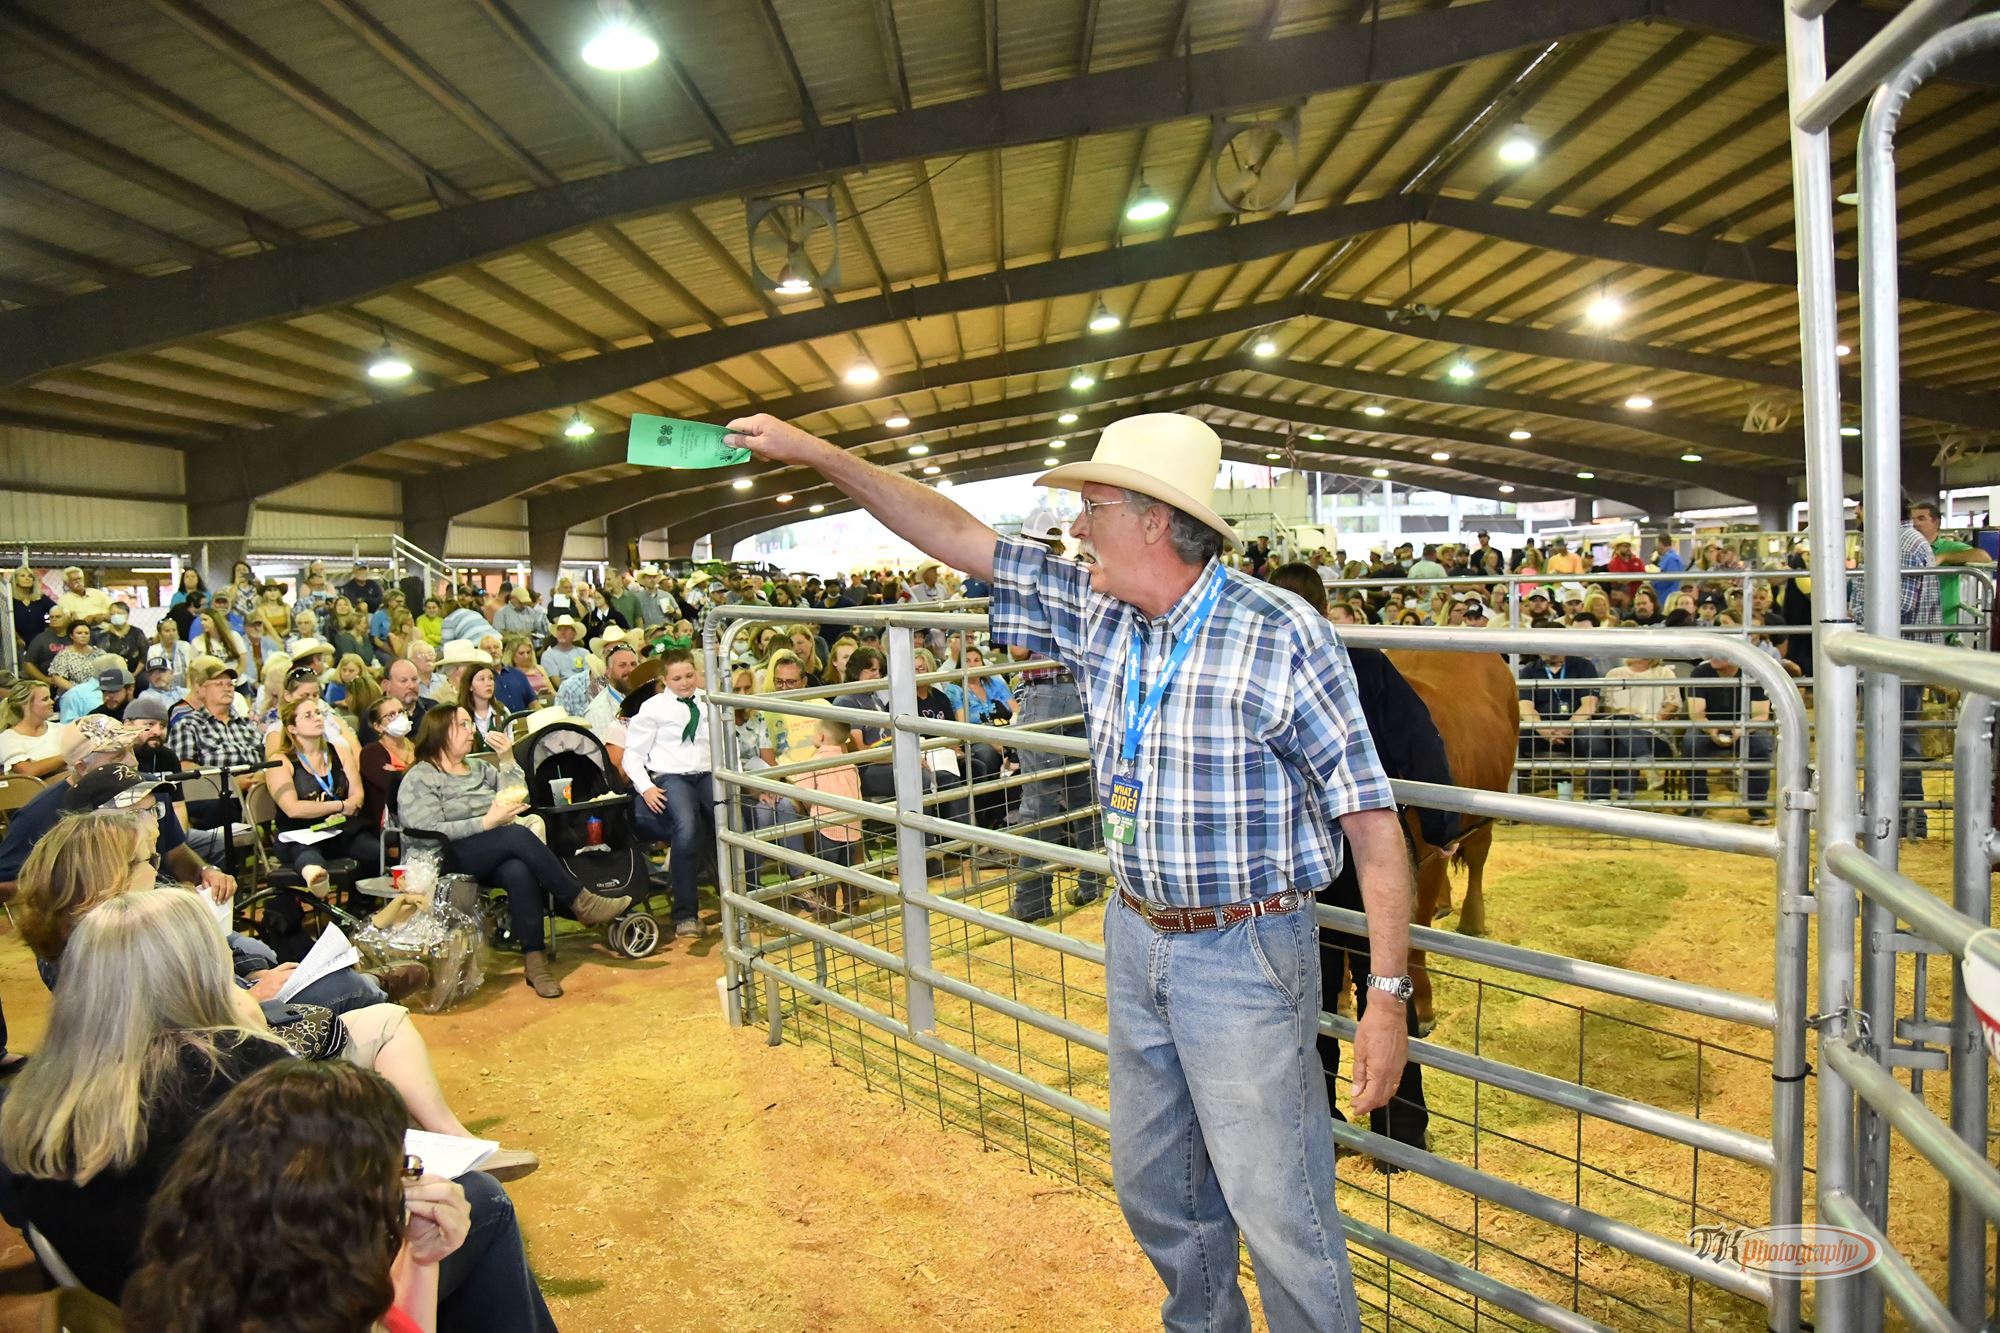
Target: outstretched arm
916,513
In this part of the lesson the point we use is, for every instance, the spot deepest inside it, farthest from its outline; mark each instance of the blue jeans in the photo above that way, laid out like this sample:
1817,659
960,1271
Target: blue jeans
1220,1120
687,826
339,991
1754,745
484,1285
1041,701
1914,818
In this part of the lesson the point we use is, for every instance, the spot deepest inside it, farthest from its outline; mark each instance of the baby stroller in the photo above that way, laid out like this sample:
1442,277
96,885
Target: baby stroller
591,831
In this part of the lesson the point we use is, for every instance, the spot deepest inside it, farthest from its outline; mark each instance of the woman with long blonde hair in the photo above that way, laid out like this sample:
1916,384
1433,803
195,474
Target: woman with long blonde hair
31,739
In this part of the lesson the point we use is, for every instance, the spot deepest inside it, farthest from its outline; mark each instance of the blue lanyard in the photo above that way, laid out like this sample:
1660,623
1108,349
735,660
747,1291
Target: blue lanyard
325,783
1139,712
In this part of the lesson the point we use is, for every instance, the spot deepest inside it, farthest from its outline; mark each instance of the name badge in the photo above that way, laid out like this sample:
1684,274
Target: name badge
1121,812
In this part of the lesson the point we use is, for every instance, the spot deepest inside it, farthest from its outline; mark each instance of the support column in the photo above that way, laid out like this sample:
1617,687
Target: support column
621,538
680,543
545,548
227,518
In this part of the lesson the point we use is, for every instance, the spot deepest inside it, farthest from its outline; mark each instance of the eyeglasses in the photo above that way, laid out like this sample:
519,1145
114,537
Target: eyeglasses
152,861
1090,507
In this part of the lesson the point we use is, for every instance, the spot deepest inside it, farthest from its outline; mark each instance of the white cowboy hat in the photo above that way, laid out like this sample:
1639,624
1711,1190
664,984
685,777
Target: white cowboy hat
1171,457
307,647
461,652
646,571
610,639
1570,592
546,717
696,579
560,621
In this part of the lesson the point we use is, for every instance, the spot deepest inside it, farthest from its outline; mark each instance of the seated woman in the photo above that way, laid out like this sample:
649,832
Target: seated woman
145,1034
986,701
523,682
31,740
384,760
316,784
476,690
449,795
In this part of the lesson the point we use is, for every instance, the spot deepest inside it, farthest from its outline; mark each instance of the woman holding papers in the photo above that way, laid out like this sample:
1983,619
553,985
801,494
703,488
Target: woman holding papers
146,1035
318,793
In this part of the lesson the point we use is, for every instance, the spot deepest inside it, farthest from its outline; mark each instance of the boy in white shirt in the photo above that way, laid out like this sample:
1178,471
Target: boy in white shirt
667,759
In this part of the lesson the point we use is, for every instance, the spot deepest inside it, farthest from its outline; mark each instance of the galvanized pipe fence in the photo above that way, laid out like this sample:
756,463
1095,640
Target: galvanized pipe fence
1865,1040
906,961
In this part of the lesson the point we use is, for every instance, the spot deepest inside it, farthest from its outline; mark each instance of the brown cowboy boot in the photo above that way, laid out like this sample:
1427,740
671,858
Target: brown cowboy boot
592,910
535,971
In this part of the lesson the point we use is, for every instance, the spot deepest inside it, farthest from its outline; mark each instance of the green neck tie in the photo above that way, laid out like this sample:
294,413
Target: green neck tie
694,718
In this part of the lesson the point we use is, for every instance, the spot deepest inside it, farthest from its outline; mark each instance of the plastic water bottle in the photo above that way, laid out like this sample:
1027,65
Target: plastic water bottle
593,832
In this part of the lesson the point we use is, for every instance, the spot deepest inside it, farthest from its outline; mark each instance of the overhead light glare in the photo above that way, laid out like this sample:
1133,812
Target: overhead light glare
919,450
1316,436
1066,419
897,422
1101,319
1264,347
1850,431
817,509
1375,410
1050,462
1842,349
1082,380
1058,444
1440,456
944,483
1848,197
1690,458
1274,455
785,498
932,470
1519,434
619,46
863,372
1146,205
1506,488
1605,310
1638,402
1518,148
1585,475
792,280
387,367
740,484
1381,472
1461,371
578,428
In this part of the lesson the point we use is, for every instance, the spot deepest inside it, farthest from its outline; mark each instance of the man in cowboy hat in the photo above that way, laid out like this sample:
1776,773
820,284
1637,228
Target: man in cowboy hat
1233,765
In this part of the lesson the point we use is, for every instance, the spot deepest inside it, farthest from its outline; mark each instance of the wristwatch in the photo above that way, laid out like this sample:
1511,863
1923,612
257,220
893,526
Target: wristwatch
1400,987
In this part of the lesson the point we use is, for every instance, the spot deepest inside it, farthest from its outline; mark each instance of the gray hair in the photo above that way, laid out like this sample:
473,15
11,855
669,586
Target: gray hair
1193,541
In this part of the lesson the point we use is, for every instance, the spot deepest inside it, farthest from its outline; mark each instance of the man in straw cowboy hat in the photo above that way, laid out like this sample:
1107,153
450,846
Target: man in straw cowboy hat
1233,765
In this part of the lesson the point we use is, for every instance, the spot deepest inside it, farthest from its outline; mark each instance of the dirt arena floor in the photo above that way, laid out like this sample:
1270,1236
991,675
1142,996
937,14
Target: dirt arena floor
696,1178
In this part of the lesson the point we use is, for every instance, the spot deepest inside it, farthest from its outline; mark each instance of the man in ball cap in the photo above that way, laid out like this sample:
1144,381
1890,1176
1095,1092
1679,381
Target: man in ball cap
1233,766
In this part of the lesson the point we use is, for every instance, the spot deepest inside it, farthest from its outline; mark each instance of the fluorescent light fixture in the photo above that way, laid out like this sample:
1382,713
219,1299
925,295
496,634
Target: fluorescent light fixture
1316,435
1274,455
1690,458
1850,431
1506,488
1519,434
1101,319
817,509
1585,475
785,498
387,367
619,46
919,450
1518,148
862,372
1375,410
1638,402
740,484
1264,347
578,428
1066,419
897,422
1082,380
1058,444
1440,456
1604,310
932,470
1461,371
1146,205
1381,472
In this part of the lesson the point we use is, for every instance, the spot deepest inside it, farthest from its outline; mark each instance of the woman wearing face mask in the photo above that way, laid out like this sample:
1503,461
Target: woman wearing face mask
385,759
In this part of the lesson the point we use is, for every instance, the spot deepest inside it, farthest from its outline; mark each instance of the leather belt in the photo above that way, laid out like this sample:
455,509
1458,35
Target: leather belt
1186,920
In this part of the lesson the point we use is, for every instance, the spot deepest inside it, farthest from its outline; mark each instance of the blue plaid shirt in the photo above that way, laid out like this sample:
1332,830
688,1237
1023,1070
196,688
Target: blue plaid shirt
1259,746
1919,603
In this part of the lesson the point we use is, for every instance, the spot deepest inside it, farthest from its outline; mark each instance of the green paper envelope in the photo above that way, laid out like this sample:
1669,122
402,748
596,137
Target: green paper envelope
671,442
